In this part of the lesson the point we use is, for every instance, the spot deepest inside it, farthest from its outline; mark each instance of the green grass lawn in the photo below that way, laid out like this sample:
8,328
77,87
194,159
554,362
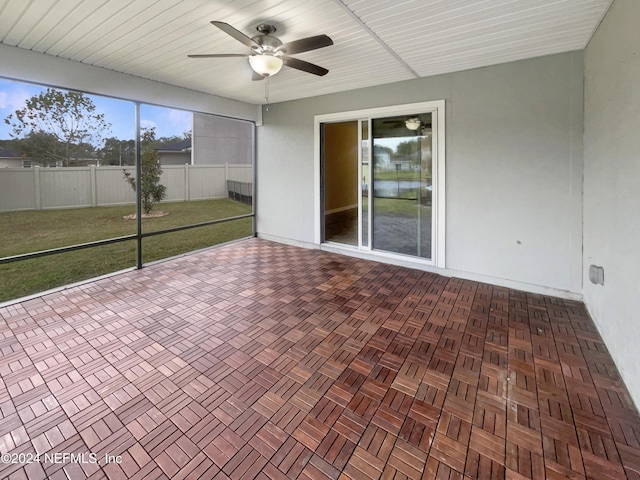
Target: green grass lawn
397,175
396,206
31,231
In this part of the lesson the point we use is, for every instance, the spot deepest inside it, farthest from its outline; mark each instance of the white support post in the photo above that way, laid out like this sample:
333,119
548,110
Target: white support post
38,195
94,185
187,195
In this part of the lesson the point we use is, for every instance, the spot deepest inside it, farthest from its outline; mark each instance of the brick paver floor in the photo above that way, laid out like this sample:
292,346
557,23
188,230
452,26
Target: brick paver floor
260,360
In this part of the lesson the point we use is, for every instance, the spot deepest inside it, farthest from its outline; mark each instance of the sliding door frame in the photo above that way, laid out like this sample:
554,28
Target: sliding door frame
361,173
437,110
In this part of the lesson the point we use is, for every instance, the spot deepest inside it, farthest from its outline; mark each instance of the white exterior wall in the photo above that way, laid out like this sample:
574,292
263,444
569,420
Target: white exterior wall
218,140
174,158
514,168
612,185
11,162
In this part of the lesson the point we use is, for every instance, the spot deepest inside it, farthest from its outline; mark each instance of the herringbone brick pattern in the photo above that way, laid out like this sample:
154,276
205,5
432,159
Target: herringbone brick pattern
259,360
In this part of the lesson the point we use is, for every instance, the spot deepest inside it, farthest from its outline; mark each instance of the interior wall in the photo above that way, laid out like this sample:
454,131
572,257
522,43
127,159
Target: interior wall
612,185
513,166
340,166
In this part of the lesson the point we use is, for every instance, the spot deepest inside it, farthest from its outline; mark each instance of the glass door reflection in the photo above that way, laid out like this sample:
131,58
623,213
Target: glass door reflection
402,185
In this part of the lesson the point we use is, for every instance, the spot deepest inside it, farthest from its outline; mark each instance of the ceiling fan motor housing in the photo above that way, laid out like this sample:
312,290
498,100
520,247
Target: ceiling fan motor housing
268,43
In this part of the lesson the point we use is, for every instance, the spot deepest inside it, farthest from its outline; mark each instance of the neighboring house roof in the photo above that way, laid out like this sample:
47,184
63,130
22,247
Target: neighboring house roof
182,146
4,153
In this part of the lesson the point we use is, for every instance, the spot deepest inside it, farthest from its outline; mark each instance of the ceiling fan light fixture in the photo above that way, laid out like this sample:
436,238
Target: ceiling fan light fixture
413,123
265,65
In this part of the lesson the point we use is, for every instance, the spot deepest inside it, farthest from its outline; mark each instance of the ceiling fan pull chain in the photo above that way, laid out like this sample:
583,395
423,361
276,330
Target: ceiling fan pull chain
266,93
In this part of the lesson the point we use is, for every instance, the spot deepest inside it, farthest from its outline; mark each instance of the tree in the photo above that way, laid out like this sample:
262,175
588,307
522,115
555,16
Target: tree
152,191
118,152
162,141
407,148
11,144
58,126
41,146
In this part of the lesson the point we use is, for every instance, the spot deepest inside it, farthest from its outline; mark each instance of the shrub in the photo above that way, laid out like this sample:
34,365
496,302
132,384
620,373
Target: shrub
151,190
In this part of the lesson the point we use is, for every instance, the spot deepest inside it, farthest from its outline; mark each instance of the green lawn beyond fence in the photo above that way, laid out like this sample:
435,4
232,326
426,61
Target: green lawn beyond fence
32,231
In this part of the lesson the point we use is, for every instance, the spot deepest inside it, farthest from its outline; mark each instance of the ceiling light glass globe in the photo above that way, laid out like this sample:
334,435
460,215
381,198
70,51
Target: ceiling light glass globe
266,65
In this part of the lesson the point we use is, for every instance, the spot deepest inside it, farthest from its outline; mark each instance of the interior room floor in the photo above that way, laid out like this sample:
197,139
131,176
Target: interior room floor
342,227
260,360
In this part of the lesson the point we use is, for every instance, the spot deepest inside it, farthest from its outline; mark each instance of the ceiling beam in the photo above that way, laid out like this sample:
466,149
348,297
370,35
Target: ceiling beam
382,43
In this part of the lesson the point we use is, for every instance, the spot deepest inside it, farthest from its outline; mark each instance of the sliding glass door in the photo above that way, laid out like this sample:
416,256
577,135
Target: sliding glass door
402,184
399,184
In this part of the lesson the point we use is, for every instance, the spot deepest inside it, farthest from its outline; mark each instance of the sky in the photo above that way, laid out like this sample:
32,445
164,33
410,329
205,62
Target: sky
119,113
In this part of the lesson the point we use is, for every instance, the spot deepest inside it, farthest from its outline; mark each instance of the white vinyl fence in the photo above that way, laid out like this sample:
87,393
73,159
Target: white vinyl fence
73,187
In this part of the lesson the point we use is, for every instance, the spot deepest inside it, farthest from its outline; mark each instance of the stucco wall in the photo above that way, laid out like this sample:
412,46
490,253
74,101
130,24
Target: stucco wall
219,140
514,166
612,185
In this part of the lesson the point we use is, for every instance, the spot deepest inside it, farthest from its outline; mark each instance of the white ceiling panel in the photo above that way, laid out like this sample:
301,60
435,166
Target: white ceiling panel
375,41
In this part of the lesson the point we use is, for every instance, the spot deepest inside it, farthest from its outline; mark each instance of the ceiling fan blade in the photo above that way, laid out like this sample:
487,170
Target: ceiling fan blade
306,44
237,34
304,66
217,55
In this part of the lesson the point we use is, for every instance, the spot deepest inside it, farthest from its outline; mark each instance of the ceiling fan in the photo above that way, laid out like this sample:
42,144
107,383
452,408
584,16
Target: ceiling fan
414,122
268,54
